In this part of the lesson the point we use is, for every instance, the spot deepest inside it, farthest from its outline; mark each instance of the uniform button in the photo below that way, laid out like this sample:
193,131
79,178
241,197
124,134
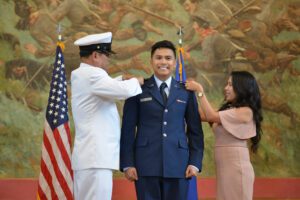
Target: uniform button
165,123
164,134
166,110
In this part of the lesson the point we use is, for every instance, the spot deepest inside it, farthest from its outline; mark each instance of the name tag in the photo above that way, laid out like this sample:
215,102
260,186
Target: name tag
180,101
146,99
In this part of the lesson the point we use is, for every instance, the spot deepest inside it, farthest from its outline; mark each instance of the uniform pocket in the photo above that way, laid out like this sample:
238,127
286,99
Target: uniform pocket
142,142
183,144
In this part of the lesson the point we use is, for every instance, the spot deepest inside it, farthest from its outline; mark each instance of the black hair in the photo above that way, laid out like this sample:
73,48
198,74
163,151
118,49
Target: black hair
201,22
137,24
192,1
138,31
163,44
10,65
85,54
247,94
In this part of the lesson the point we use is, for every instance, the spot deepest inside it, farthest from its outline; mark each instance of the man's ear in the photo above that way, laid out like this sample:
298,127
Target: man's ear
94,55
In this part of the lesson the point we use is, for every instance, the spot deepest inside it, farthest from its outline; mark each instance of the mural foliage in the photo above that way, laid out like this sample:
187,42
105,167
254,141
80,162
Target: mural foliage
261,36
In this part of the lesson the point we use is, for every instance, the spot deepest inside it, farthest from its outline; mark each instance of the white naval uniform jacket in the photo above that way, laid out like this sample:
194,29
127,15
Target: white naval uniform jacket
96,118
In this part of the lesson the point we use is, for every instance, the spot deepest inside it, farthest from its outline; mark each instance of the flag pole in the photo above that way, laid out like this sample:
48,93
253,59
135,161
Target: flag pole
62,46
56,174
180,33
181,77
59,37
180,71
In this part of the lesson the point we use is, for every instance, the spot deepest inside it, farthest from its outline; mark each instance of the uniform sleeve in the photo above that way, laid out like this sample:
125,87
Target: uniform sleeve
194,132
232,123
105,86
128,131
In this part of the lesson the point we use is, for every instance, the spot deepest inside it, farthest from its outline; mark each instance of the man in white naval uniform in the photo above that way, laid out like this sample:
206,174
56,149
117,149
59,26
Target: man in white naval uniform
97,123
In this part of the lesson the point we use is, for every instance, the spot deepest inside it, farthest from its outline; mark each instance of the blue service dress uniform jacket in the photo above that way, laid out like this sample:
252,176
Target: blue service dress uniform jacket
161,140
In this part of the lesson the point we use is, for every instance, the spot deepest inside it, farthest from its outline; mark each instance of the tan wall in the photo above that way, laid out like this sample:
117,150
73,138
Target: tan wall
262,38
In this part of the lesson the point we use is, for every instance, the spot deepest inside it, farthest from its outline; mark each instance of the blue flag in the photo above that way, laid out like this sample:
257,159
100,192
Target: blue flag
192,192
180,71
181,77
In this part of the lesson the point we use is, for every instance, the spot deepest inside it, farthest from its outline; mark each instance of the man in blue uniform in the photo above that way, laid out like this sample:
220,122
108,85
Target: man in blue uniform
161,136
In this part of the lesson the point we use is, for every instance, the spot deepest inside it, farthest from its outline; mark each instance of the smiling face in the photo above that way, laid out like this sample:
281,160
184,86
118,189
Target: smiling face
196,27
19,71
230,95
190,6
163,63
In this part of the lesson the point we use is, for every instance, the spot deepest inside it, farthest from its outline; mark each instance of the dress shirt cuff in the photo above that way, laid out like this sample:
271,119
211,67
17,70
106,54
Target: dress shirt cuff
125,168
119,78
196,168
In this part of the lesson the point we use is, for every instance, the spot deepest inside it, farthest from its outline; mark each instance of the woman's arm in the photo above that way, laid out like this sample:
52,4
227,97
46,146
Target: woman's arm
202,114
207,112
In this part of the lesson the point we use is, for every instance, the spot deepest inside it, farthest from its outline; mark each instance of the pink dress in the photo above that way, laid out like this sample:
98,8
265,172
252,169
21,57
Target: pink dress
235,174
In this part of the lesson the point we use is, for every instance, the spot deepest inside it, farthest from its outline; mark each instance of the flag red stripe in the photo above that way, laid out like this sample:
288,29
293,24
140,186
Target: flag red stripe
62,145
42,195
67,128
48,178
57,171
64,153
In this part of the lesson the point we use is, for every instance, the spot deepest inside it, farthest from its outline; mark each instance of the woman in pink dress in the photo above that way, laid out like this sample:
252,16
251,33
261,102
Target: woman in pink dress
238,120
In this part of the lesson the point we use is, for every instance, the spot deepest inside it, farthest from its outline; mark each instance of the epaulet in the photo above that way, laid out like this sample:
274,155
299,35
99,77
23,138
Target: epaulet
148,83
180,84
146,80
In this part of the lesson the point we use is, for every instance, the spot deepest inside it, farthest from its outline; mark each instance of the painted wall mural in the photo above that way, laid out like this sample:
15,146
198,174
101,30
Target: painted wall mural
261,36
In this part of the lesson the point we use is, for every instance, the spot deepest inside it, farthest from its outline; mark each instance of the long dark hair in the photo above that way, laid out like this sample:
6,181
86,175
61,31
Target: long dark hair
247,94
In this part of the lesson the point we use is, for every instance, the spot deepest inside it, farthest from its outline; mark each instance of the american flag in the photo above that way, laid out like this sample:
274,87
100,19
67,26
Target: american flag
56,175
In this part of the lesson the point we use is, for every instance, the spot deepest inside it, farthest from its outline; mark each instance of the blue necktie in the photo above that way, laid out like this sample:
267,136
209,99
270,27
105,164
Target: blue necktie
163,93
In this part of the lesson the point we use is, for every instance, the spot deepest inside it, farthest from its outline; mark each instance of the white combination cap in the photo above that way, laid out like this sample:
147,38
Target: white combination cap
94,39
95,42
